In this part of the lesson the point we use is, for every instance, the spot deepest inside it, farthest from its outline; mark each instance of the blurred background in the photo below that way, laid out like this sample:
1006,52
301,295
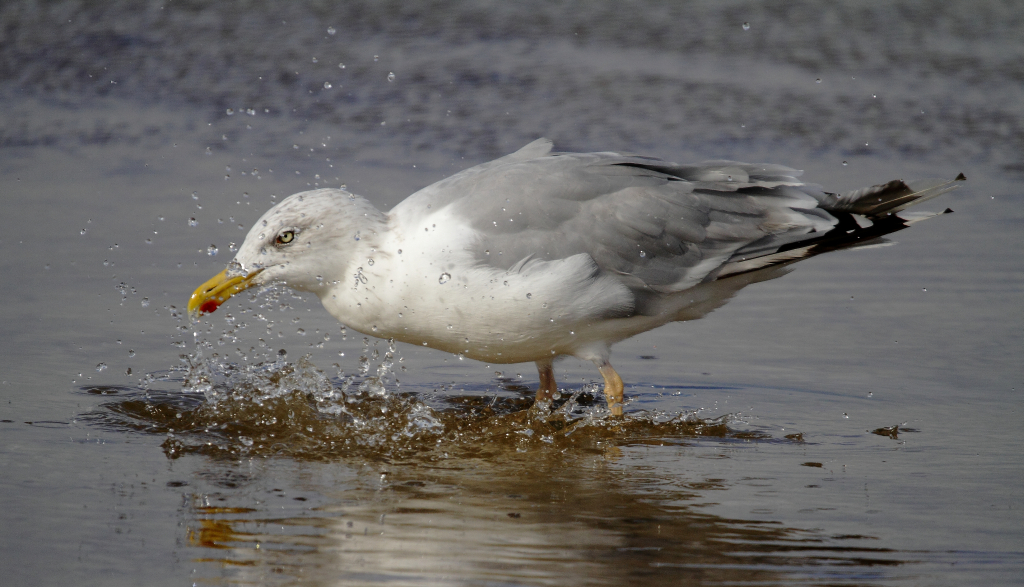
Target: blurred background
139,141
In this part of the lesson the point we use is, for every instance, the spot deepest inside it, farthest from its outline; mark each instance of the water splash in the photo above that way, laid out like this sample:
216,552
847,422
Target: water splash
259,402
293,409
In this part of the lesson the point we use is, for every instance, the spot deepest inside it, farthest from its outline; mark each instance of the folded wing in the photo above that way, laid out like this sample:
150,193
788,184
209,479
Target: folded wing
661,227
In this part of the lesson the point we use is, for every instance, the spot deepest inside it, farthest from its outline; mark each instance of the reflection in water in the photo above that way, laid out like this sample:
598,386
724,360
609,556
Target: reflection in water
528,518
436,488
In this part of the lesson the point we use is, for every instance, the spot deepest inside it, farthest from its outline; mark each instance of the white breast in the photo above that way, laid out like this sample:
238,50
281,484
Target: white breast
425,288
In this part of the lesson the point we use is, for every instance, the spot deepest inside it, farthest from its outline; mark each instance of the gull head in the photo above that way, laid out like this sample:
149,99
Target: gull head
305,237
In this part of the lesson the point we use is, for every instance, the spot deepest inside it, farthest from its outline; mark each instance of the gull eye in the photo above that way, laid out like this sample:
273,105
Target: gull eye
285,237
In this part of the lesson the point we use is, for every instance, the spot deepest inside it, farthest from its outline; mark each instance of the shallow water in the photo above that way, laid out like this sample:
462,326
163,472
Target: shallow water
855,422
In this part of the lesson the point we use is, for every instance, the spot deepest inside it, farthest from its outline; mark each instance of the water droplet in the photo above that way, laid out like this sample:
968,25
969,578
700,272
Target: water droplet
331,30
212,250
845,163
341,66
314,60
375,58
642,254
131,353
924,289
504,283
746,26
149,241
327,85
83,231
529,296
193,222
817,81
399,251
450,327
100,367
444,277
845,415
230,111
300,332
391,76
369,261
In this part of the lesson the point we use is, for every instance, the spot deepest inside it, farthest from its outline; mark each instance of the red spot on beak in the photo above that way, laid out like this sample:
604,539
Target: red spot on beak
208,307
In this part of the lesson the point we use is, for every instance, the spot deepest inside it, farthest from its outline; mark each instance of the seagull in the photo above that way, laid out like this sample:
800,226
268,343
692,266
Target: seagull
542,254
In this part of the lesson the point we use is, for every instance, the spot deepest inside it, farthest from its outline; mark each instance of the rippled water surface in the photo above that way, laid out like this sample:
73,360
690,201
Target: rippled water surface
857,422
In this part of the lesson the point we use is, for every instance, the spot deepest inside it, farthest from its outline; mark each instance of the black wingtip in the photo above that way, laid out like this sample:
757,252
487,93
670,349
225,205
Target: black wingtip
960,177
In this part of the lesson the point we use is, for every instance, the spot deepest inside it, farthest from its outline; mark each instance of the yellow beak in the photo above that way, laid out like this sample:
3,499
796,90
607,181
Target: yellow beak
209,296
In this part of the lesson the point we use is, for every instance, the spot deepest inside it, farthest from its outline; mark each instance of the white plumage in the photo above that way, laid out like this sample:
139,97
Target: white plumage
538,255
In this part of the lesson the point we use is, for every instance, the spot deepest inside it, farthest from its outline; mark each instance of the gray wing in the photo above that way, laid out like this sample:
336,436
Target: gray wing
660,227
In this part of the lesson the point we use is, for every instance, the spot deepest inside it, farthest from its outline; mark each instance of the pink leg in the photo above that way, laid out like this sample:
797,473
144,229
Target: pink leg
612,387
548,387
